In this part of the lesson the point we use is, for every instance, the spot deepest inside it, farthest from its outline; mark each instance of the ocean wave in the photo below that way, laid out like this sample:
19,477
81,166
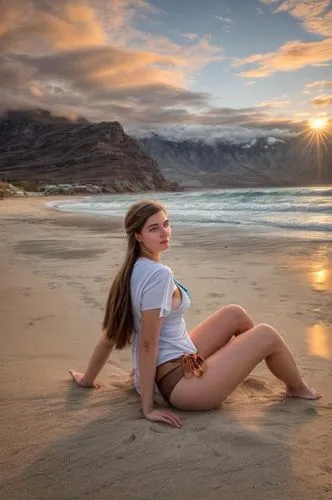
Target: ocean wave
303,226
291,210
264,192
315,209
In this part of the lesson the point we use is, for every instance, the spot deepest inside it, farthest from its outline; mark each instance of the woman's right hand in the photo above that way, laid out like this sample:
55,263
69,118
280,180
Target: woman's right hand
166,416
79,379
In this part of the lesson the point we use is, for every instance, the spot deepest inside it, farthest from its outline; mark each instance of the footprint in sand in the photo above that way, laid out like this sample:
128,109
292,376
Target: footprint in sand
160,430
310,411
327,469
255,385
130,439
213,295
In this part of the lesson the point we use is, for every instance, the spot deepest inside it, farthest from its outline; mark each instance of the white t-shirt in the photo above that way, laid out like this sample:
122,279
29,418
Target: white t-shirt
151,287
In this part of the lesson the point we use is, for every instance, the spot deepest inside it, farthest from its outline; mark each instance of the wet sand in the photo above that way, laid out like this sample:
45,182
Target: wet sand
63,442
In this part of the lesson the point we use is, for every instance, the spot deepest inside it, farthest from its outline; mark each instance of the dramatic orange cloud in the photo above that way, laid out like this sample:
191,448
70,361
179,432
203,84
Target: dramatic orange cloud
290,56
316,17
92,50
89,58
322,100
69,25
314,14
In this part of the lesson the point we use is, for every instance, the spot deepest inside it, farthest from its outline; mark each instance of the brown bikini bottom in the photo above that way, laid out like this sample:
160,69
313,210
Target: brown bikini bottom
170,373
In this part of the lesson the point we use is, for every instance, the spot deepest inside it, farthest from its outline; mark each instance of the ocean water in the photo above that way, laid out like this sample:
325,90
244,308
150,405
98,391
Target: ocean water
301,212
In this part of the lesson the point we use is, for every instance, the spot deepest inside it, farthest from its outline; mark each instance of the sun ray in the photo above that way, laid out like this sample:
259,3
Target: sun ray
317,136
318,124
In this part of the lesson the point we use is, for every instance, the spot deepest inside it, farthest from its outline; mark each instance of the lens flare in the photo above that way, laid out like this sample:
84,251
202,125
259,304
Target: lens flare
317,134
318,123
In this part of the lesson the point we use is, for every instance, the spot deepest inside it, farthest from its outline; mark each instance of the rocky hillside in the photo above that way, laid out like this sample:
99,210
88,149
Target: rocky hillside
7,189
40,148
262,162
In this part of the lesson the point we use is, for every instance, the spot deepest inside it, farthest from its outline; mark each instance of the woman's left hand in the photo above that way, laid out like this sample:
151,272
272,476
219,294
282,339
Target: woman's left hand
79,379
164,415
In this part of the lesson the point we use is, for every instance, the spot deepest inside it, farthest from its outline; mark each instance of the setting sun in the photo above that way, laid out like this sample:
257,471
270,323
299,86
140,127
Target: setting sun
318,123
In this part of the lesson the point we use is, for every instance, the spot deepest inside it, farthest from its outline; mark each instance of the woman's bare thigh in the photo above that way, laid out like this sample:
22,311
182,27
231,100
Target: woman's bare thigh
227,368
219,328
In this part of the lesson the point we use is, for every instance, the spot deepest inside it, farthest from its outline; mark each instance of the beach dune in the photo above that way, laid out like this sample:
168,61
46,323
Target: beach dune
59,441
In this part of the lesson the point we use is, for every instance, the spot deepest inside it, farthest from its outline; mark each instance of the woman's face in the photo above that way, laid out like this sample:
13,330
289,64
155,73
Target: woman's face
156,233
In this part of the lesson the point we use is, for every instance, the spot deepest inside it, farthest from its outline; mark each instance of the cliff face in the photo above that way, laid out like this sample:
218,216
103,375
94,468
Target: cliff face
38,147
262,162
9,190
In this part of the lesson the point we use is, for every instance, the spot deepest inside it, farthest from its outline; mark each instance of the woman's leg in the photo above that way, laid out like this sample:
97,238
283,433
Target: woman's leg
219,328
230,365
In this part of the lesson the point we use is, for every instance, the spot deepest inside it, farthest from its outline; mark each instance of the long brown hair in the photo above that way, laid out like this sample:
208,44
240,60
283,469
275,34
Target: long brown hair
118,321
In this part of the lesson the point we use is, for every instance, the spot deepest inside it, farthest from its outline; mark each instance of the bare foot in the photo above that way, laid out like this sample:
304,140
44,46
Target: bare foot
305,393
79,379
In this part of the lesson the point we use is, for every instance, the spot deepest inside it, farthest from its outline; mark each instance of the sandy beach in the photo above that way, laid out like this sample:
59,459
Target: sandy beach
62,442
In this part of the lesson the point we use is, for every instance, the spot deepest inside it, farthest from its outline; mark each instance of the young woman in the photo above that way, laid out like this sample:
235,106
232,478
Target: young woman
193,371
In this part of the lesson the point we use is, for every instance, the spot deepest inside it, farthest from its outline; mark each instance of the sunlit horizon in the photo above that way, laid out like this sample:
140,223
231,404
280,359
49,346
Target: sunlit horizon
319,123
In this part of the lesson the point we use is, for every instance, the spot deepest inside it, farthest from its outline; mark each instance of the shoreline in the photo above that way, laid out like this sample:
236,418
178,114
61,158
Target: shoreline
286,231
57,268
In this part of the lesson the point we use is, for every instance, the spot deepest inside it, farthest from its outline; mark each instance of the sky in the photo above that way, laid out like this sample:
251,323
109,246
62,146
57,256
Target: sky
196,67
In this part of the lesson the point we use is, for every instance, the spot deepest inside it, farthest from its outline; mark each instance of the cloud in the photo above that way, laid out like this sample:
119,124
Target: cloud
119,19
35,91
273,103
259,11
35,26
106,67
248,118
225,19
190,36
25,28
290,56
322,100
196,55
209,134
90,56
90,59
320,84
76,81
316,15
226,23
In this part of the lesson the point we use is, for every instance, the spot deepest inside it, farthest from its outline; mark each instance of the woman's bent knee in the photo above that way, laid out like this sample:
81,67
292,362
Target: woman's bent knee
241,317
269,334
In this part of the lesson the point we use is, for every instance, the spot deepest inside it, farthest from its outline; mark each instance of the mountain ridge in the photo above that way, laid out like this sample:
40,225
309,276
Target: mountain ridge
260,162
41,148
37,146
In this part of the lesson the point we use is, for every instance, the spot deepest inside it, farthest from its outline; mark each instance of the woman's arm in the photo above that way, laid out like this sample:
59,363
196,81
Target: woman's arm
98,358
148,354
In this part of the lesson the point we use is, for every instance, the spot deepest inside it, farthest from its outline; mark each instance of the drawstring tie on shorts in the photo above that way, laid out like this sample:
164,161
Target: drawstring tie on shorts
193,364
